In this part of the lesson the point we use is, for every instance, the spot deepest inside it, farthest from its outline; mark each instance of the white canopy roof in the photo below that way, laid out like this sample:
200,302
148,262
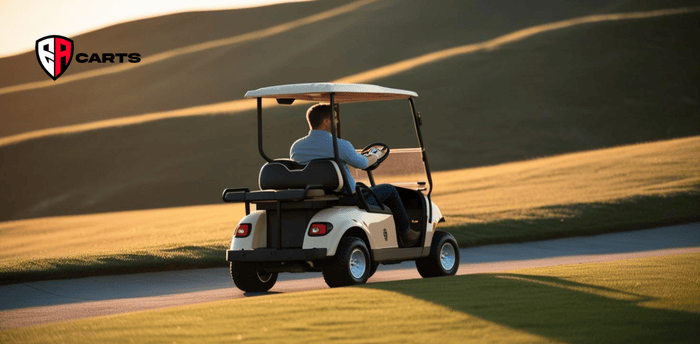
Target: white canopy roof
320,92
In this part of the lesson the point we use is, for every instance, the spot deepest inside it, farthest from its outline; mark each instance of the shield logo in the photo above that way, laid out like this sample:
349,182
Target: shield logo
55,54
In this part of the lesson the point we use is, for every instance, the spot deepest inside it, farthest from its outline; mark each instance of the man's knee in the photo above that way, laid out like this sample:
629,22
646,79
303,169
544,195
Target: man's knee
384,188
386,192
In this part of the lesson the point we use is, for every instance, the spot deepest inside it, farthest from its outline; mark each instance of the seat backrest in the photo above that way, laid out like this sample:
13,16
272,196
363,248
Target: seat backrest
283,174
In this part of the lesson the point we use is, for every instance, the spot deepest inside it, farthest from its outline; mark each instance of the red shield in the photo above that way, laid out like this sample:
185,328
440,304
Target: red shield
54,53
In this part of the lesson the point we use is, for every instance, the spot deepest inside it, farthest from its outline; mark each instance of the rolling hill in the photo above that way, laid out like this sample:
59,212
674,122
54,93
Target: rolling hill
580,87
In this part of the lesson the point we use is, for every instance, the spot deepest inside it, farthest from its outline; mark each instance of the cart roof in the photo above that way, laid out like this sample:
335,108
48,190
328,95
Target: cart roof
320,92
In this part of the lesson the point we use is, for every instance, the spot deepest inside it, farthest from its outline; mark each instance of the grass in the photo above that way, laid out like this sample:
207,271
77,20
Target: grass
125,262
119,232
525,189
640,300
582,219
645,300
346,315
114,243
616,189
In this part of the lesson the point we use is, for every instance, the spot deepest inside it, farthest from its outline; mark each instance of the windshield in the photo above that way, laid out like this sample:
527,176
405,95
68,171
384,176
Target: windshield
403,168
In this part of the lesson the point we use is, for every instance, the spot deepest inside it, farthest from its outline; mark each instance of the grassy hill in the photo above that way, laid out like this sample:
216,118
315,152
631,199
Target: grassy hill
579,88
614,189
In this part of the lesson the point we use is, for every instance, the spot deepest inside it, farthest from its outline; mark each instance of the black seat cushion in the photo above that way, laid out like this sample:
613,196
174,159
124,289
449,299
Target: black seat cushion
291,164
287,174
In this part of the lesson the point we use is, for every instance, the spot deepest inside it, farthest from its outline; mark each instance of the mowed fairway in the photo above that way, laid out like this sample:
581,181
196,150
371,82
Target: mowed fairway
615,189
622,188
647,300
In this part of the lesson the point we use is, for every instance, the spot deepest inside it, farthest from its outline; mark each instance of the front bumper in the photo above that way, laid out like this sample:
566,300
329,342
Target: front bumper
275,255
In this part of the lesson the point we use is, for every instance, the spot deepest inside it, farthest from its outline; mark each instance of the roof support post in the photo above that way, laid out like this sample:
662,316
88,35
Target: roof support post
418,123
334,131
336,156
260,132
337,113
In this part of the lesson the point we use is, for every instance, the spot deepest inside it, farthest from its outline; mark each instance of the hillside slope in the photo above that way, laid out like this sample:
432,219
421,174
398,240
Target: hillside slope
473,200
583,87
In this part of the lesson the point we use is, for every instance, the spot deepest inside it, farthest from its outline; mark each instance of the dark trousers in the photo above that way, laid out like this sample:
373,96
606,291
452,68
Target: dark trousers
390,197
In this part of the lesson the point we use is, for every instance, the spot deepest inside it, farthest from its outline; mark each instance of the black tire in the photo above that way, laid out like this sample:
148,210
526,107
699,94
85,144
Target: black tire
443,259
351,264
249,278
373,269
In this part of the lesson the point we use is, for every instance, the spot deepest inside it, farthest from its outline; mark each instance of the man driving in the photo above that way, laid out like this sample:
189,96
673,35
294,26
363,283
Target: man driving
318,144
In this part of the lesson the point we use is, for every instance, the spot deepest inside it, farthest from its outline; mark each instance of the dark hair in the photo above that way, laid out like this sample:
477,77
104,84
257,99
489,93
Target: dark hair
317,114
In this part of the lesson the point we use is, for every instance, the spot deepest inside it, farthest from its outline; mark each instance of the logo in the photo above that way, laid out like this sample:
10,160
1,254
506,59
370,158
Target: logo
55,54
386,235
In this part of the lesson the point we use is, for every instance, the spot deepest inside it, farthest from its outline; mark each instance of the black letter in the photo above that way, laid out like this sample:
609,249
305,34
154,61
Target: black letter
108,57
81,58
134,57
94,57
121,57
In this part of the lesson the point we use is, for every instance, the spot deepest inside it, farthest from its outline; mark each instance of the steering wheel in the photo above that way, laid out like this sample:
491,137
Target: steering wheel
374,148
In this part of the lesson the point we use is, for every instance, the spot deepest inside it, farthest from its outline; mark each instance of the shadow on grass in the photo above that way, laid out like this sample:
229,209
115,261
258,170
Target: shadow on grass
555,308
177,258
585,219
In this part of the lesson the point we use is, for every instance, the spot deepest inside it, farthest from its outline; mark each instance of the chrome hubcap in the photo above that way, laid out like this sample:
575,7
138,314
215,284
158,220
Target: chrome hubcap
447,256
358,263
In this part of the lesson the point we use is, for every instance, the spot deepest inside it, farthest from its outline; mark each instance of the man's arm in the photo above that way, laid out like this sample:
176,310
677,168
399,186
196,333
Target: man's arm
347,152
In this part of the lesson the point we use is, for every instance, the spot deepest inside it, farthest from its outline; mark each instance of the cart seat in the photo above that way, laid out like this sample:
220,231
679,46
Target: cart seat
286,174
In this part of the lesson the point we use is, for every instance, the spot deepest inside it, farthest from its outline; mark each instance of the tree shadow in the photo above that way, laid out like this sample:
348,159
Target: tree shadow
555,308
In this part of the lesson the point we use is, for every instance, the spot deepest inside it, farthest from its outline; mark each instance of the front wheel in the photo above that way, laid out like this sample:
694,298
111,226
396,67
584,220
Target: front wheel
351,264
249,278
443,259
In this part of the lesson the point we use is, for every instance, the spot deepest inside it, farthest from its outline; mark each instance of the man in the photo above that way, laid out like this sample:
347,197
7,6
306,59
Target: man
319,145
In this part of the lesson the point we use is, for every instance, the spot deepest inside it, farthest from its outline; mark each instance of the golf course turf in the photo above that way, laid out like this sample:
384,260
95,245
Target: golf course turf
615,189
644,300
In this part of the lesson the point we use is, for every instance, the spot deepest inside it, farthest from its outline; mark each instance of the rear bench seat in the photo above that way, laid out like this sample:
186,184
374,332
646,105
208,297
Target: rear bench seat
286,180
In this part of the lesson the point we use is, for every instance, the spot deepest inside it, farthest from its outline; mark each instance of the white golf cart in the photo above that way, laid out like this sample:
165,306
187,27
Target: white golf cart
308,220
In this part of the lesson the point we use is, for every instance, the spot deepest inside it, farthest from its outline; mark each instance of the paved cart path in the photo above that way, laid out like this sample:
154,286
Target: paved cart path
36,303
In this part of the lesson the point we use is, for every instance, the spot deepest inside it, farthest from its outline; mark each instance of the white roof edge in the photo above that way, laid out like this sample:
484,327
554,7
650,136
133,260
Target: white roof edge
326,88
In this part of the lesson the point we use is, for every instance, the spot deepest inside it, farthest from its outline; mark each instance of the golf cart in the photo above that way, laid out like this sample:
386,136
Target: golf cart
307,219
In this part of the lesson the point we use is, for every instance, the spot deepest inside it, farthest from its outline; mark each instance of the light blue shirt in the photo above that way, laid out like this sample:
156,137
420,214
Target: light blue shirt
319,145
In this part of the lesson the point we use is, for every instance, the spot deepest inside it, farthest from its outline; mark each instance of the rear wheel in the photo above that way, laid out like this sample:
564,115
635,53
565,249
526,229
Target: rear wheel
351,264
248,277
443,259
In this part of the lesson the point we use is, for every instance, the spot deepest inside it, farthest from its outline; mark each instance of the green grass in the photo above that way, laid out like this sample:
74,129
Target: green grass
572,220
344,315
652,300
582,219
115,243
617,189
647,300
129,262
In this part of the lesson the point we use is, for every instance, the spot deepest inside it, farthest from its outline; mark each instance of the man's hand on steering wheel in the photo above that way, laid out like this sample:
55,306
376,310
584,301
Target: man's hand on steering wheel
372,158
376,153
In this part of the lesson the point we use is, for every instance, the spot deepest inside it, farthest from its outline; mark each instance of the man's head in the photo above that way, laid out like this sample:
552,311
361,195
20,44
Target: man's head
319,117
